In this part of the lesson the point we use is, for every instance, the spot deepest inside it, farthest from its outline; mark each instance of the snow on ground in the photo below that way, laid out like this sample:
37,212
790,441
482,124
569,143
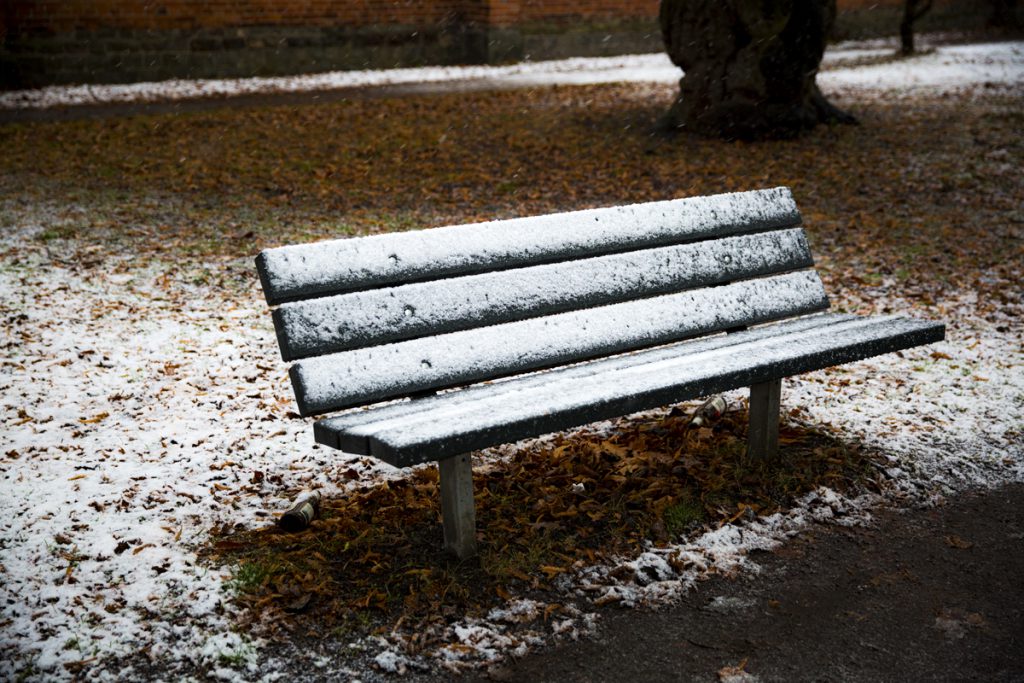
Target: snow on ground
139,412
147,407
948,68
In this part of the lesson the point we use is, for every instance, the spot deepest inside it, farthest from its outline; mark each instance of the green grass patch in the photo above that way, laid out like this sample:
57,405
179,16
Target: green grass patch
683,515
57,233
252,575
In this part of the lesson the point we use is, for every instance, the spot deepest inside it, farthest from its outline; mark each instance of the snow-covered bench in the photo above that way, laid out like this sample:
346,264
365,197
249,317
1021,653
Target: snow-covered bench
625,308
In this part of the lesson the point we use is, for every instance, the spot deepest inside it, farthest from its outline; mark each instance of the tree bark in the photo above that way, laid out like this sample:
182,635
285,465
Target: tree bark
912,11
749,66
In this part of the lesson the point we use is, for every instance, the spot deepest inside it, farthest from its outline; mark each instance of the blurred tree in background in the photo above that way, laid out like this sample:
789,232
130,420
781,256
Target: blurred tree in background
750,66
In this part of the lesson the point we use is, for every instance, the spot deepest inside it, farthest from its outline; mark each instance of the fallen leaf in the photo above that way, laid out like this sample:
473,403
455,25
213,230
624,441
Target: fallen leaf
954,541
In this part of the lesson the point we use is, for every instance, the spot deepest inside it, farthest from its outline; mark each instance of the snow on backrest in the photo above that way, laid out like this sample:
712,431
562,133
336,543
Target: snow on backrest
336,266
357,319
365,375
380,317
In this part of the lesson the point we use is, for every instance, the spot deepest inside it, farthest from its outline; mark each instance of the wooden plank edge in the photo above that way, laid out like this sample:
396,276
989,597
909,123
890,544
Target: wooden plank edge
406,456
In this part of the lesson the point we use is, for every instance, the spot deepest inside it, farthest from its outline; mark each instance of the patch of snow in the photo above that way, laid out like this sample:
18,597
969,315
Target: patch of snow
946,68
722,603
511,631
735,674
392,662
724,550
946,421
137,417
837,56
228,647
577,71
520,610
949,69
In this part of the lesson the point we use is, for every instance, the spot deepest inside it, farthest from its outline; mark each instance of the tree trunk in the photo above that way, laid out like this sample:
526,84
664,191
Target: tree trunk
907,29
912,11
749,66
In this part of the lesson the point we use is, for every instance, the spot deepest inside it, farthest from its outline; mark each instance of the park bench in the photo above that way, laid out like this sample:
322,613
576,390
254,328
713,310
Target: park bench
439,342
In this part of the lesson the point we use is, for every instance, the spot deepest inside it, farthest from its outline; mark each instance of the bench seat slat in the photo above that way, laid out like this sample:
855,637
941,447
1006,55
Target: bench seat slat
506,412
310,270
359,319
349,431
368,375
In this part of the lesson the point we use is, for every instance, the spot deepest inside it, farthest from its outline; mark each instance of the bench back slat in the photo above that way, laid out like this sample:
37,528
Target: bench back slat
312,270
358,319
377,373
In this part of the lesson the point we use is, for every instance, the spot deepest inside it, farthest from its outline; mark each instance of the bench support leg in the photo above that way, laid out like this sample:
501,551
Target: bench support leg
458,514
763,432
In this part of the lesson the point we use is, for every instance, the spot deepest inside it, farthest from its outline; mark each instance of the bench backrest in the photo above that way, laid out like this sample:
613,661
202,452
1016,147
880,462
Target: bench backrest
374,318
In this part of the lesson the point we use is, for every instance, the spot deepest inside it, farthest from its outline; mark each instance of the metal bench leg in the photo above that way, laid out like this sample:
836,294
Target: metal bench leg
763,432
458,514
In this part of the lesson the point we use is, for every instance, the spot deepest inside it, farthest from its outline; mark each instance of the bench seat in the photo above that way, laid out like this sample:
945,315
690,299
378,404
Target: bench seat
428,428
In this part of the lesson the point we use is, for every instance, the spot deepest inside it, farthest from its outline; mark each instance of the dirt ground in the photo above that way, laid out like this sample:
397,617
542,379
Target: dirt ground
923,595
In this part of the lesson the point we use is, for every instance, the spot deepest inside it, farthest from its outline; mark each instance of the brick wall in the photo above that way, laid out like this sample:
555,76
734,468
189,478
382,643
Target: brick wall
595,10
66,41
57,16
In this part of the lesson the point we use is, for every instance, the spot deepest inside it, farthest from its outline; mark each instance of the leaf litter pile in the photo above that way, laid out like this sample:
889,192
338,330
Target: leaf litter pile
555,506
147,427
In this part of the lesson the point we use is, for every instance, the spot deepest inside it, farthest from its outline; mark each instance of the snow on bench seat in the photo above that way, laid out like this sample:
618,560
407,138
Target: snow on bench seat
425,429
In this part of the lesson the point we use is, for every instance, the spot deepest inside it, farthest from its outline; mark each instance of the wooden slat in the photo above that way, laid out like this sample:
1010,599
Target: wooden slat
310,270
509,411
349,431
354,320
366,375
